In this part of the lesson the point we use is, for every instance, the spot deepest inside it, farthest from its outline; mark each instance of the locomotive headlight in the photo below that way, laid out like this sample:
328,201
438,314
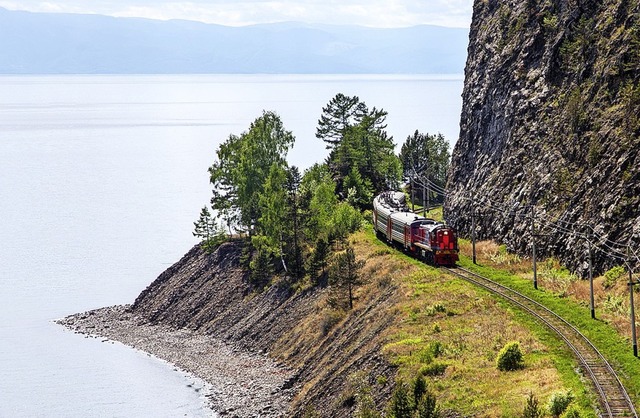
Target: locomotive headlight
446,232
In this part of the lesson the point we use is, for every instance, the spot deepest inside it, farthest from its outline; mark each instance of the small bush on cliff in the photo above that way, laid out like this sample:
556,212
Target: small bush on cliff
510,357
559,402
365,405
413,401
611,276
532,409
330,319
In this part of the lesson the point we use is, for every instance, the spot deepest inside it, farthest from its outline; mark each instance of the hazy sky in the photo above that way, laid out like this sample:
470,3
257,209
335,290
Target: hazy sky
377,13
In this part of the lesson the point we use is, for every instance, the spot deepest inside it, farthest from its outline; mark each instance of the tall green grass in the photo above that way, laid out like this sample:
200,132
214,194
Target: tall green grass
616,349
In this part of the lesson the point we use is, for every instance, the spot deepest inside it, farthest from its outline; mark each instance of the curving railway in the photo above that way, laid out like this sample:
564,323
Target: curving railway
614,400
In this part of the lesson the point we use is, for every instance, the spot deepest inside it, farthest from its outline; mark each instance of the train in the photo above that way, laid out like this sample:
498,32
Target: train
424,238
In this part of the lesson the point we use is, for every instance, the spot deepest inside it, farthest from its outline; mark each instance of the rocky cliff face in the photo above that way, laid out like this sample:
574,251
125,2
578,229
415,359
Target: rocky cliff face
550,120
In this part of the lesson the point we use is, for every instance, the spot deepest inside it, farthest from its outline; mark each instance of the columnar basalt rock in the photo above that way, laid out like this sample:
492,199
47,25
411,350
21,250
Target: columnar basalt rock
551,119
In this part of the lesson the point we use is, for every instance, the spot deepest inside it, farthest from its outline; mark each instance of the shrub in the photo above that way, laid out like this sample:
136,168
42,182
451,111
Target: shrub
532,409
330,319
510,357
611,276
433,369
571,412
559,402
426,406
436,348
381,380
615,304
310,412
365,405
425,356
435,309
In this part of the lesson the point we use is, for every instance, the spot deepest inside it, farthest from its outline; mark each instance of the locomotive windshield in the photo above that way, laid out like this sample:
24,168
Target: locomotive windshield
421,228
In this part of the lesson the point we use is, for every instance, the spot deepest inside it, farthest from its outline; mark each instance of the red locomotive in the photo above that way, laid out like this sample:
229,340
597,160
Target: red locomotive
425,238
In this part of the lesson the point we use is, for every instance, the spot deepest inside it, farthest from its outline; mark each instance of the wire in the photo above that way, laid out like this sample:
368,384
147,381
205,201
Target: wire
599,241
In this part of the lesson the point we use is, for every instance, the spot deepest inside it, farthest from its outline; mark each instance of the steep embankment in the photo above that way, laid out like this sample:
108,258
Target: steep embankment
551,119
210,293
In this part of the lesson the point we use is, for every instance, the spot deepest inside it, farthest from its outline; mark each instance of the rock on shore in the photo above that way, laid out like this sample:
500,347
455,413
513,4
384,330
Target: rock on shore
241,384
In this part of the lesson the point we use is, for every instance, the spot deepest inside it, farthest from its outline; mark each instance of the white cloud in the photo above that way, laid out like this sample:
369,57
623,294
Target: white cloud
377,13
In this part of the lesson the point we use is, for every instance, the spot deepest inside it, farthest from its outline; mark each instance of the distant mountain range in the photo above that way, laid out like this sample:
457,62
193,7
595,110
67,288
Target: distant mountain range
49,43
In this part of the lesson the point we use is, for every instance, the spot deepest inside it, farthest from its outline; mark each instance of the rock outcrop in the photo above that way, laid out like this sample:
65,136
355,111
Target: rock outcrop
551,120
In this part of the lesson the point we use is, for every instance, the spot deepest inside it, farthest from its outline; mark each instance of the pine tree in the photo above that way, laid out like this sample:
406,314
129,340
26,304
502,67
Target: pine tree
337,116
426,406
532,409
260,265
400,403
419,388
318,262
296,218
208,231
345,274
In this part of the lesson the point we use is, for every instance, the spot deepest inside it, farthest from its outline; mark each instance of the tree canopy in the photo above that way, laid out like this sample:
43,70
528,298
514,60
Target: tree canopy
426,155
362,159
338,115
242,167
296,221
425,160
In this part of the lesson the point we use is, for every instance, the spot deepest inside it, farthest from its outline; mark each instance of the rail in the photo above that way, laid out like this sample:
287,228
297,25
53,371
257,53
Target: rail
614,399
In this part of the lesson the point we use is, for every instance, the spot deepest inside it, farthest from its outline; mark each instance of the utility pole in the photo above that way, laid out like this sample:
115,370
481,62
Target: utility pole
533,242
473,231
634,341
413,196
427,181
591,301
424,200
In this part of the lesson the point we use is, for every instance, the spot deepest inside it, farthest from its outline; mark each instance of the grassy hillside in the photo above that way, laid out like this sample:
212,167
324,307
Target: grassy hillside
451,332
568,296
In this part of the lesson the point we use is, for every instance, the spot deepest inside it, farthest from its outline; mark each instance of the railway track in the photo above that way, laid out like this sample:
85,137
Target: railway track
614,400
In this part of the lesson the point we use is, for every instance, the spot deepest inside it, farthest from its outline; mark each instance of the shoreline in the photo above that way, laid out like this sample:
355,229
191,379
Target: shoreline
238,383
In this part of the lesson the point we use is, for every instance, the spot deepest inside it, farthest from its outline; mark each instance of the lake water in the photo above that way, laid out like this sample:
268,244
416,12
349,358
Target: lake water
101,178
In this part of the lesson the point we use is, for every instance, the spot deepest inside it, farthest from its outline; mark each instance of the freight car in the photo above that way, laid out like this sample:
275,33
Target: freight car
424,238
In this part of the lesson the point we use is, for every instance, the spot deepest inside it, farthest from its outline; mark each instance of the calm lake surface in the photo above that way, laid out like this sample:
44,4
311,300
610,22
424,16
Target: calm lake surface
101,178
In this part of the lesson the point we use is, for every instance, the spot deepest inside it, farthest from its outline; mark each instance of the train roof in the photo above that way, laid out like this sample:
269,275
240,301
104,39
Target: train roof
392,201
410,217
